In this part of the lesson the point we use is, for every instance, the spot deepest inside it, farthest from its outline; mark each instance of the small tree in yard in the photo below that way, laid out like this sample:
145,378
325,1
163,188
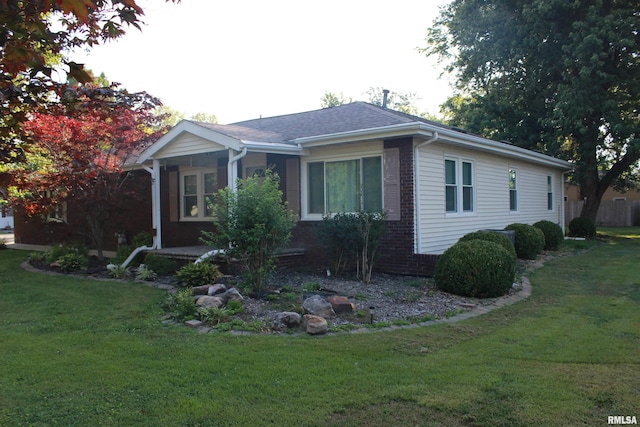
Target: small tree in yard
79,151
252,223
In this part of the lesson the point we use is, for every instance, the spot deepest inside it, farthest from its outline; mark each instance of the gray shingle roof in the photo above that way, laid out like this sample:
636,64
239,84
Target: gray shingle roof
344,118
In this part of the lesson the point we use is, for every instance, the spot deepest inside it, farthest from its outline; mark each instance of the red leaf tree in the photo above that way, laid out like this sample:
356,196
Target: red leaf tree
80,155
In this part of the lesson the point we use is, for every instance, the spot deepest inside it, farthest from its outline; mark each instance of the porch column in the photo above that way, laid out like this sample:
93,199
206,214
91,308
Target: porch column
232,168
155,203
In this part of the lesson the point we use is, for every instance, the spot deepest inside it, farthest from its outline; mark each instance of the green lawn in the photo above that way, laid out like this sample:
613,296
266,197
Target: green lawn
78,352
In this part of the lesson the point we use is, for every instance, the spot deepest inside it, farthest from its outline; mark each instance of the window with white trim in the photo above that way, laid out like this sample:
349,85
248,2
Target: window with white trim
513,190
549,192
59,213
197,189
347,185
459,188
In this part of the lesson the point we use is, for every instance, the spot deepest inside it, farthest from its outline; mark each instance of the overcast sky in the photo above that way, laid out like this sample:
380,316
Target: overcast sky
243,59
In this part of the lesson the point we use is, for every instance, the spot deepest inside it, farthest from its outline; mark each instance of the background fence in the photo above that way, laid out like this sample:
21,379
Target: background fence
612,213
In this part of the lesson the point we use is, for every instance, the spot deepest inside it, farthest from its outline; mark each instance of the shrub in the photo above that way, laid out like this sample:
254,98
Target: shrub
529,240
3,244
117,271
73,261
253,224
582,227
143,272
142,239
475,268
352,237
54,253
202,273
492,236
122,253
163,266
553,235
181,305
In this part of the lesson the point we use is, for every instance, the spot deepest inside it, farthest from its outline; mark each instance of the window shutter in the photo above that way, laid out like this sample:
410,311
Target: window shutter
293,185
392,183
174,197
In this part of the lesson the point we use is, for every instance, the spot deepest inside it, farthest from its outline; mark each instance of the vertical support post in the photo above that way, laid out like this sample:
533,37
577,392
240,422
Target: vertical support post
155,202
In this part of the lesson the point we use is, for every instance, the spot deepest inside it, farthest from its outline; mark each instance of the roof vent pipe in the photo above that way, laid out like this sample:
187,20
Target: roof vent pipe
385,97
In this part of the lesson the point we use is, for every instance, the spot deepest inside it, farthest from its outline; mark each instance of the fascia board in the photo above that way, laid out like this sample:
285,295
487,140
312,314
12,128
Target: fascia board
274,148
192,128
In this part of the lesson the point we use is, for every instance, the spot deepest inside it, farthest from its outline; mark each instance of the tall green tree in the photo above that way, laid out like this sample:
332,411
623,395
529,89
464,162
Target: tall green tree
555,75
36,37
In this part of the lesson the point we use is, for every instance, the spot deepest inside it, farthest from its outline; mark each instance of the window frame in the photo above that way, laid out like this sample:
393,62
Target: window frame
307,196
513,191
550,204
460,186
200,194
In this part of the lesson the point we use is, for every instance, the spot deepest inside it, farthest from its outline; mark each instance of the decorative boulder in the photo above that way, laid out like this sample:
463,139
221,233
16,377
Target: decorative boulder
216,289
209,302
285,320
230,295
315,325
318,306
200,290
340,304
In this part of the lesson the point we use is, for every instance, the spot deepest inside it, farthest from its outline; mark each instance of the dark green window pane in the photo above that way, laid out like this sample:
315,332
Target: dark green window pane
450,172
210,183
467,175
316,188
451,198
190,184
372,184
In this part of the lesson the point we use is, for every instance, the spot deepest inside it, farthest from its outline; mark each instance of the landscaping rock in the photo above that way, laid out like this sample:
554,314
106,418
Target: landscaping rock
315,325
194,323
200,290
209,302
285,320
318,306
341,304
230,295
216,289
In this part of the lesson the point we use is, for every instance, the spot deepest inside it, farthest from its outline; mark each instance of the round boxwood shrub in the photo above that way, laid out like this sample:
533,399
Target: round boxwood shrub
491,236
475,268
582,227
553,235
529,240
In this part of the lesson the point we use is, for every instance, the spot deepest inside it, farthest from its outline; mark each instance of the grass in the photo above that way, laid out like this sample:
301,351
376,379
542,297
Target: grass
78,352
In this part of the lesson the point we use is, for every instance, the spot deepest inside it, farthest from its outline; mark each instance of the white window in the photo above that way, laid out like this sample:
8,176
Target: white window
197,189
346,185
459,188
549,192
513,190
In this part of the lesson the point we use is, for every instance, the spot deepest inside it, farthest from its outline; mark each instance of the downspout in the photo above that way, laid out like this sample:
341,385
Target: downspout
155,215
232,173
416,201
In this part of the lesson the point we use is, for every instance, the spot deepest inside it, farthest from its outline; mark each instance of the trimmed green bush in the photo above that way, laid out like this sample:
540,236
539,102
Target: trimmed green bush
163,266
582,227
492,236
475,268
529,240
553,234
202,273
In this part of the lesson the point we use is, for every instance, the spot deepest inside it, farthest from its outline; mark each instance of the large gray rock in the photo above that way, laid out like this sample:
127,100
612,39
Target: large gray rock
209,302
285,320
200,290
216,289
230,295
315,325
318,306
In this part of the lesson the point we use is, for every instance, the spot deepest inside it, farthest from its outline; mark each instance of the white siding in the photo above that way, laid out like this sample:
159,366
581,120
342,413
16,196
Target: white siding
436,231
188,144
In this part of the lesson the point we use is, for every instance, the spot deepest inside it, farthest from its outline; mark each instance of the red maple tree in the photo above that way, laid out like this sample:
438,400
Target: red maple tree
81,154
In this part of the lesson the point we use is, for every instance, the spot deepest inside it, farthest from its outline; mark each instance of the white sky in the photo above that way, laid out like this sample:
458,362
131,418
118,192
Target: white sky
242,59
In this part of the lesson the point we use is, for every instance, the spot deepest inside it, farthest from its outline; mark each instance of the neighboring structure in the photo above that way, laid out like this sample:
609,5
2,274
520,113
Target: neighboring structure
436,183
617,209
6,213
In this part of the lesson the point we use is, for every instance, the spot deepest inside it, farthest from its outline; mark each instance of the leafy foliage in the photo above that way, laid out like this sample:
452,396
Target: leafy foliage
202,273
73,261
164,266
582,227
181,305
562,77
492,236
143,272
253,224
352,238
36,37
475,268
529,240
117,271
553,235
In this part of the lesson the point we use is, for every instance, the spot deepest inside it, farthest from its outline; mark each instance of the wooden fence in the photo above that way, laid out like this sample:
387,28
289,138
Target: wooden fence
612,213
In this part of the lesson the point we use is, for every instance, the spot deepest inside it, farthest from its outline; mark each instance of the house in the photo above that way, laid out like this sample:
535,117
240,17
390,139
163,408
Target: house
435,182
